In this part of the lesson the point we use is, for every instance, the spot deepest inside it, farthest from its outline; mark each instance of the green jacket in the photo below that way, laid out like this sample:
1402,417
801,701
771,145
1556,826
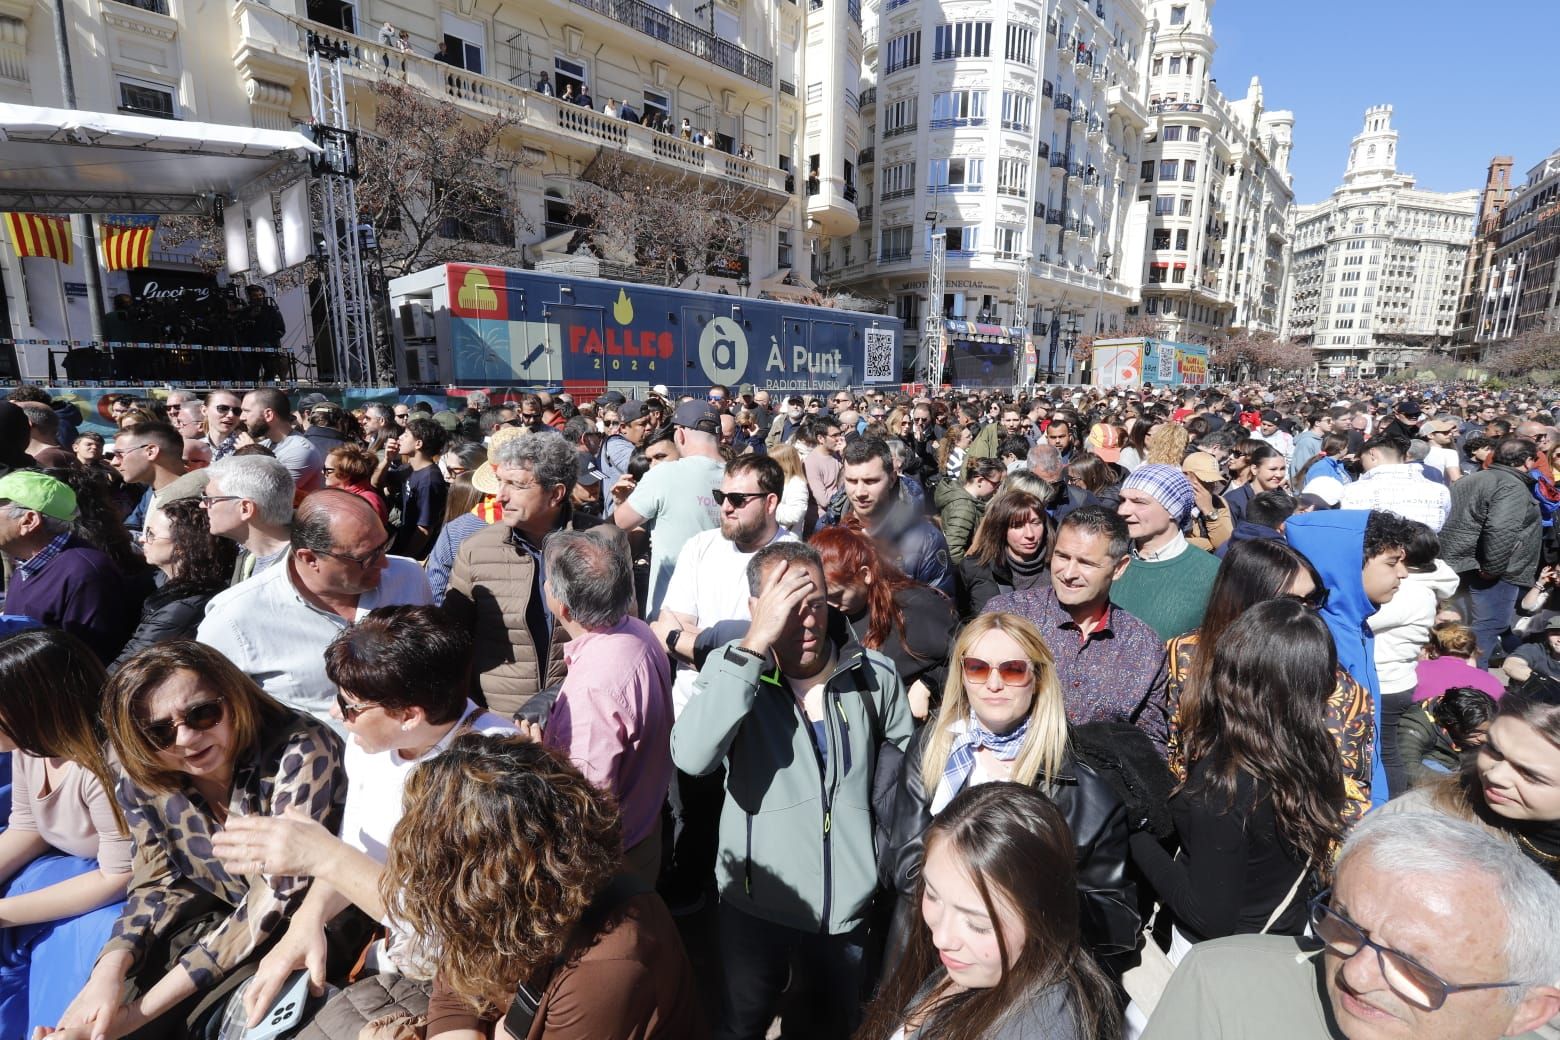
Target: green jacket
795,833
960,512
987,442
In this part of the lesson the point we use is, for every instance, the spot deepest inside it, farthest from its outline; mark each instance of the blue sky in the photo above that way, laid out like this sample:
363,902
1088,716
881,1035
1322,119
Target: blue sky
1467,81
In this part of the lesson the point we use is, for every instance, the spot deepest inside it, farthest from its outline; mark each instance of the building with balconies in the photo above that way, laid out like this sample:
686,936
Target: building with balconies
1481,257
1518,290
727,68
1378,266
1011,131
1214,192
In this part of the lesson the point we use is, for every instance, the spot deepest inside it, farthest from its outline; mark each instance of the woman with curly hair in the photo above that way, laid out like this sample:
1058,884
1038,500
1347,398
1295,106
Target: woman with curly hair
1259,812
193,564
998,953
507,833
1166,444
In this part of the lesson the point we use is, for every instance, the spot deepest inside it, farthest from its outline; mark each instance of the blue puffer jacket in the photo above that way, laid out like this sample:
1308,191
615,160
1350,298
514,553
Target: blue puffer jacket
1334,542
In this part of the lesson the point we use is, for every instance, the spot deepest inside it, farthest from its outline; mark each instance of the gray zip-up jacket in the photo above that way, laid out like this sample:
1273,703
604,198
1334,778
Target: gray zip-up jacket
796,828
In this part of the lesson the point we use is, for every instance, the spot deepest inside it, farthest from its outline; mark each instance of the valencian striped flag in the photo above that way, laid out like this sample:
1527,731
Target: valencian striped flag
127,241
38,234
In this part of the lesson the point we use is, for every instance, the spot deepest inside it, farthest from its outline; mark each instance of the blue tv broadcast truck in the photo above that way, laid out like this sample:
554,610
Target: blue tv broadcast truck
466,325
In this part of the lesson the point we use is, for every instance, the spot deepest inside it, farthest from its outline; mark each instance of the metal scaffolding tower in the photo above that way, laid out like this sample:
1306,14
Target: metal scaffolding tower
346,288
934,334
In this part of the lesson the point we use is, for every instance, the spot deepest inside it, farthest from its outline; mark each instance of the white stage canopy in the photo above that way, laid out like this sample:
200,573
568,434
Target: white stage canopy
55,160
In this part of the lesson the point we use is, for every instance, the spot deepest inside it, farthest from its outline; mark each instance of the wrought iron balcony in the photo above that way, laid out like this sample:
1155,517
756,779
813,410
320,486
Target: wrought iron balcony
685,36
1064,102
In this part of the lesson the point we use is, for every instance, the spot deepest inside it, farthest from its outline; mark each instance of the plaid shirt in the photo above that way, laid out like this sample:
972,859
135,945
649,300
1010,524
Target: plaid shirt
45,556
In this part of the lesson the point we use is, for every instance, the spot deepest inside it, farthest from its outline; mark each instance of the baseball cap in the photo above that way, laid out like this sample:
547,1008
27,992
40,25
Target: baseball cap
660,390
696,415
1269,415
1409,409
631,410
447,419
1439,426
1553,625
1328,489
1203,466
745,390
308,401
611,397
39,492
588,474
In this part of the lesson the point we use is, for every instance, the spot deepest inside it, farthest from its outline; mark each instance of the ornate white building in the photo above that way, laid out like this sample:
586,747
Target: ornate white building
1378,265
1013,131
1214,192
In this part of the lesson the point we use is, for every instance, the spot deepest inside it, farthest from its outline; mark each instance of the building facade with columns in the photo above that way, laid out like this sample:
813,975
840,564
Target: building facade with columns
1215,191
773,86
1013,133
1378,266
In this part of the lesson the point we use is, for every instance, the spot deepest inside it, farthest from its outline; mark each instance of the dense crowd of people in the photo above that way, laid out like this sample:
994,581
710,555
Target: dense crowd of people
1176,713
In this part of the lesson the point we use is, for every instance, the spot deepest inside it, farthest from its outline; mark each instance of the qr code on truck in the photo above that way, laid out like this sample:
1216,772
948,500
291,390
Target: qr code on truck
880,356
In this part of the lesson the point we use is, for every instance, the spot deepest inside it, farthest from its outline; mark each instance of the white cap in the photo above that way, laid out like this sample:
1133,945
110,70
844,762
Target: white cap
660,388
1328,489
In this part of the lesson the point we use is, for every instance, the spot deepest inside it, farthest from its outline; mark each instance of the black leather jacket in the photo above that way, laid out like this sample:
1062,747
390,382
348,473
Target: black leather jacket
1093,812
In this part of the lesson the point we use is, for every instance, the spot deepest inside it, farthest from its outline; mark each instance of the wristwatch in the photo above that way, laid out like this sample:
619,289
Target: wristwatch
671,640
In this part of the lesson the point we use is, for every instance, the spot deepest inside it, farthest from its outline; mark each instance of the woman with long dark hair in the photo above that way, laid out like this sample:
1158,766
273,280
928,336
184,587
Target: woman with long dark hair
65,854
1251,573
1260,808
998,953
1010,551
1266,469
193,564
909,623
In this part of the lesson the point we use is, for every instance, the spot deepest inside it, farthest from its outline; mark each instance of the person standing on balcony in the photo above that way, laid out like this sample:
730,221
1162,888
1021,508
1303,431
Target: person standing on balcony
585,100
544,84
627,112
611,109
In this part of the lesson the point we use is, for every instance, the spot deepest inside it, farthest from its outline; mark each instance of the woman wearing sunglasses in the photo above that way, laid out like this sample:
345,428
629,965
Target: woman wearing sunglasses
65,855
1251,573
193,564
1259,810
195,741
998,952
1002,718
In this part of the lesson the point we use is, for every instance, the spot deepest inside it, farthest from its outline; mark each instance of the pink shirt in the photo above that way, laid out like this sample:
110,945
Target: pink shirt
613,718
1437,675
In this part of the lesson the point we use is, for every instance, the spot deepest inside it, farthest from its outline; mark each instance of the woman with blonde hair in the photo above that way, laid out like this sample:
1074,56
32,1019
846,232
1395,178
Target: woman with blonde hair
1166,444
898,421
791,513
1003,718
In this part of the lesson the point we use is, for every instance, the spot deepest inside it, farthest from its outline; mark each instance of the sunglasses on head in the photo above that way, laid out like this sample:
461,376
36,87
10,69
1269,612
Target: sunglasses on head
198,717
738,499
1013,673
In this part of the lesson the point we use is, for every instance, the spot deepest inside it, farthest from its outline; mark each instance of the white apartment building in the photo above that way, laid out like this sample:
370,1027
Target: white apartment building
1013,131
1211,242
1379,264
736,70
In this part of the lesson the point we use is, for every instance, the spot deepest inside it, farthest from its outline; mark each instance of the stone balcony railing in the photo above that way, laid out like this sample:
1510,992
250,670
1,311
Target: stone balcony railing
270,40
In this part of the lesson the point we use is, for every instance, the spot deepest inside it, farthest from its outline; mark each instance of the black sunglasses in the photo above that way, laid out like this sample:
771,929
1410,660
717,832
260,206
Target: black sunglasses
225,409
1316,599
350,711
198,717
1405,976
738,499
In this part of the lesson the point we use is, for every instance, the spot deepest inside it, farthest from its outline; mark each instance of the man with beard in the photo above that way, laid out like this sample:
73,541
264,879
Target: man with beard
706,589
267,417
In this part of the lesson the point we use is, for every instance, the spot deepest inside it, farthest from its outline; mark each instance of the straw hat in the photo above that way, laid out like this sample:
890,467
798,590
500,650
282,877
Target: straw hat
485,477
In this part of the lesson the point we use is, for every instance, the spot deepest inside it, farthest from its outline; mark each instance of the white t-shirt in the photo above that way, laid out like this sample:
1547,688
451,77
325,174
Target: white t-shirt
708,584
375,783
678,498
1441,459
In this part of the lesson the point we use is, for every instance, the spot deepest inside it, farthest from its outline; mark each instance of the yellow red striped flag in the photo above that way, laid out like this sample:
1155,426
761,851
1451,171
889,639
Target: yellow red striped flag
38,234
127,242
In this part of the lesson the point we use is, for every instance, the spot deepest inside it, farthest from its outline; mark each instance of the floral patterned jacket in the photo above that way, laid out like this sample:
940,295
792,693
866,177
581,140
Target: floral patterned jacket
297,762
1349,720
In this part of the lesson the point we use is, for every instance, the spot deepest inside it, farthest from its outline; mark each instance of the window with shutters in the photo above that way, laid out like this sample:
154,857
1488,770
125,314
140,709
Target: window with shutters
962,40
902,52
